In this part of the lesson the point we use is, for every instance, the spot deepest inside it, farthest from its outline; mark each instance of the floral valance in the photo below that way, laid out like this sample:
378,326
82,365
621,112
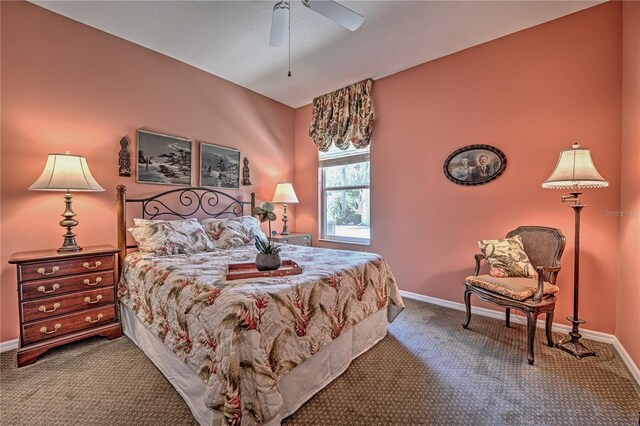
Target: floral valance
343,117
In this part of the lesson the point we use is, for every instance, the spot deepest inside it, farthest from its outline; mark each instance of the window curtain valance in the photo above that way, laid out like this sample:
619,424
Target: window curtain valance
343,117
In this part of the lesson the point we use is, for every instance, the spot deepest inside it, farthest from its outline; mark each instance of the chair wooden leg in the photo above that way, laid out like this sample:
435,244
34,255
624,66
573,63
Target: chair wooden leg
531,335
508,317
467,304
548,324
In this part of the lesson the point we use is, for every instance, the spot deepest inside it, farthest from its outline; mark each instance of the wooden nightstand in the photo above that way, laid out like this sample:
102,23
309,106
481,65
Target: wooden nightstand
64,297
294,239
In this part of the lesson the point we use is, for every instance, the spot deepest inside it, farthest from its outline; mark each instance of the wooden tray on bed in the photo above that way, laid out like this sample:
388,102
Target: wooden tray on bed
240,271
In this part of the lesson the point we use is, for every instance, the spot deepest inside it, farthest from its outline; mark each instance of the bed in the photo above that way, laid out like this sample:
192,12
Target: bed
250,351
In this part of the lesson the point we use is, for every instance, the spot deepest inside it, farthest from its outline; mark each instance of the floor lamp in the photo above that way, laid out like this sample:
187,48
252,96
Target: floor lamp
575,170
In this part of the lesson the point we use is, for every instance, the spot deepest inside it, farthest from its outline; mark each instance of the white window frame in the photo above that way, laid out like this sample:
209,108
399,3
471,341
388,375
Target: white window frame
337,157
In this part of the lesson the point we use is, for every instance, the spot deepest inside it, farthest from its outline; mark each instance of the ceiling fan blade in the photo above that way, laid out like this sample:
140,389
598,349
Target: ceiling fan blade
279,24
336,12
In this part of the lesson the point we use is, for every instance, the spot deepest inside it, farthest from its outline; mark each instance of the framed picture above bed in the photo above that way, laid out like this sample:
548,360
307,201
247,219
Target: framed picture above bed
475,165
163,159
219,166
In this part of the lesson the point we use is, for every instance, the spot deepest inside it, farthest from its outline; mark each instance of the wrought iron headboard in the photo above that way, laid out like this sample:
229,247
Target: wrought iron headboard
194,200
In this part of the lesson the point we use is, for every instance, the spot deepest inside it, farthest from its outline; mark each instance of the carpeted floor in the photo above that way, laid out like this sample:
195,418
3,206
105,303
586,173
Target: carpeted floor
427,371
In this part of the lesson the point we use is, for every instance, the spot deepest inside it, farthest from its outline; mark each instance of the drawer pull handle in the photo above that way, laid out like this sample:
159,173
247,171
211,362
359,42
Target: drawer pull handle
43,308
56,327
54,287
53,270
98,318
88,282
88,299
86,265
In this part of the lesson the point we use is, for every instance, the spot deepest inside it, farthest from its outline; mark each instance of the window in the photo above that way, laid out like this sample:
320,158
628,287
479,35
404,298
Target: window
345,195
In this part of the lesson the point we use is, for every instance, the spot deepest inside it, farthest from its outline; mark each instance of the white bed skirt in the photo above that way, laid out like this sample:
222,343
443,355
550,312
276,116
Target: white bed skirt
296,387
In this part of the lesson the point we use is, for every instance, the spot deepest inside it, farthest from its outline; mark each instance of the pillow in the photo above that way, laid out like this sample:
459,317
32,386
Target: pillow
227,234
233,232
172,237
253,224
507,258
144,222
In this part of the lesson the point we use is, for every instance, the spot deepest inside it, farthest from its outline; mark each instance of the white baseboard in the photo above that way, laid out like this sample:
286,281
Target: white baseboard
635,372
13,344
560,328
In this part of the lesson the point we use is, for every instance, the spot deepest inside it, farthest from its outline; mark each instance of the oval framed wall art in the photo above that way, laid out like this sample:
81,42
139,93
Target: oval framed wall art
475,165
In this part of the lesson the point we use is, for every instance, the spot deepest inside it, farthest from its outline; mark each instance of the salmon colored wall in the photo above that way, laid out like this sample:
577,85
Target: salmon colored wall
531,94
628,312
66,86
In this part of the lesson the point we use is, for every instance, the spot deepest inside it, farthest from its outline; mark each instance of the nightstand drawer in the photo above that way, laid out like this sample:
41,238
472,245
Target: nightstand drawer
293,239
53,287
298,240
57,268
52,306
54,327
301,243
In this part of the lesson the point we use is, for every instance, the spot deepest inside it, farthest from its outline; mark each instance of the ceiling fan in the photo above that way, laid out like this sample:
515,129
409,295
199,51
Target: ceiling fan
330,9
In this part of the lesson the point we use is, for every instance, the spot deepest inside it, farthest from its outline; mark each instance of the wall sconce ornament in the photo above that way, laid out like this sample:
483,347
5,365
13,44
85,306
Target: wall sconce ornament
246,178
124,157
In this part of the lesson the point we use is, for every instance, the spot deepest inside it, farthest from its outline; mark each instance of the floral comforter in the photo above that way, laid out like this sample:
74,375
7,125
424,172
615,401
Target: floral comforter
242,336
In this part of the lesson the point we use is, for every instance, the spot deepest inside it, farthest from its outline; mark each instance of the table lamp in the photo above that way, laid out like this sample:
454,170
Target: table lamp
65,172
285,195
574,170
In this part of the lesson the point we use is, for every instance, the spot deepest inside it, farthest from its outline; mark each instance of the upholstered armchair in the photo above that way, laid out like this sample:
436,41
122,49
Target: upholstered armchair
529,294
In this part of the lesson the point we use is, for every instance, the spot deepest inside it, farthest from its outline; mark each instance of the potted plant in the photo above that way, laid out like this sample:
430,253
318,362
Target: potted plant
268,257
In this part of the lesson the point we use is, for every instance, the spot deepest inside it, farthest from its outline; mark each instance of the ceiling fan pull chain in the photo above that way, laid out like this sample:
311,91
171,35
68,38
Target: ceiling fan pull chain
289,74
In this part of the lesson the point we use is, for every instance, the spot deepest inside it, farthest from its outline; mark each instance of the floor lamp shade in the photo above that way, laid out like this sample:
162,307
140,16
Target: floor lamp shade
65,172
574,170
285,195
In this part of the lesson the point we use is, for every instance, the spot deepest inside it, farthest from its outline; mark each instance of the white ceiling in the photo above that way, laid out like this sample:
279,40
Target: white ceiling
231,38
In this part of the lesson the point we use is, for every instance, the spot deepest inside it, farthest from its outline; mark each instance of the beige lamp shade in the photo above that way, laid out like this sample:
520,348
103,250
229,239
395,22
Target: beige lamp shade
285,194
575,169
65,172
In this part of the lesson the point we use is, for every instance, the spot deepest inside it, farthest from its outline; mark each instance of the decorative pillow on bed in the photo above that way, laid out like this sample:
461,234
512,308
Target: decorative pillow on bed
172,237
507,258
253,224
144,222
233,232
